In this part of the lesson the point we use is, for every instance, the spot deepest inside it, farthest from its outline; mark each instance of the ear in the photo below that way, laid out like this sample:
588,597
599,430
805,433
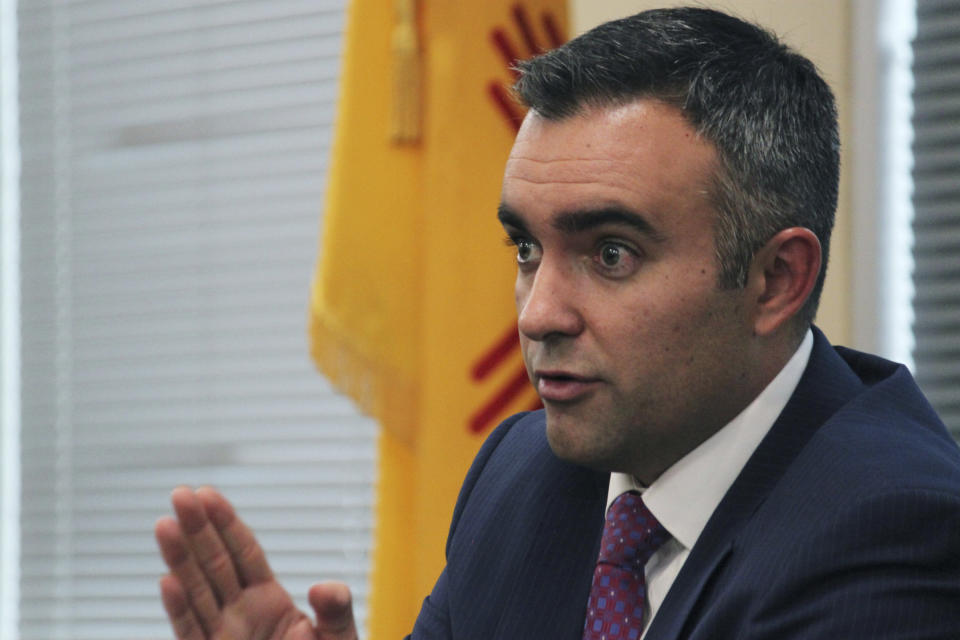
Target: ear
783,274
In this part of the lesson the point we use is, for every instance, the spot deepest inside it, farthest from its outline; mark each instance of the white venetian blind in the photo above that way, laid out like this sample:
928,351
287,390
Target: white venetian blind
174,154
936,200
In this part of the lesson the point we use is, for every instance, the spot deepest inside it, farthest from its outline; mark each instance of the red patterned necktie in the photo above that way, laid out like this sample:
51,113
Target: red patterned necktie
618,595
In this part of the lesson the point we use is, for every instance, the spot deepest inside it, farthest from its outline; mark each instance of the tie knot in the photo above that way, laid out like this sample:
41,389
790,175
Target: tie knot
631,533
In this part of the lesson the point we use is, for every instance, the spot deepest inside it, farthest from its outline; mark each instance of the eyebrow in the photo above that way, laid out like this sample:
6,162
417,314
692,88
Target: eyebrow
510,218
573,222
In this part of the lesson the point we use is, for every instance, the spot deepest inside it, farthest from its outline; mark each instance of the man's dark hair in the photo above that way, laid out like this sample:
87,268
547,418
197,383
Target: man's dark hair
769,114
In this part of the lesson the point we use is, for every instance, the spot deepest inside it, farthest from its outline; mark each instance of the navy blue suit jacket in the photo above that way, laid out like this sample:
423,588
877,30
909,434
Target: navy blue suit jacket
844,524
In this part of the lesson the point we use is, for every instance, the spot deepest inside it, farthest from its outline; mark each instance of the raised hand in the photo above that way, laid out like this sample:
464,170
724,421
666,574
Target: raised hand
220,586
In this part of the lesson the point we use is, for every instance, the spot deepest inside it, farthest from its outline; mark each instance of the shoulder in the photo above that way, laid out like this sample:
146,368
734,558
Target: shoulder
521,429
860,537
887,436
516,438
874,562
866,419
515,469
871,507
882,442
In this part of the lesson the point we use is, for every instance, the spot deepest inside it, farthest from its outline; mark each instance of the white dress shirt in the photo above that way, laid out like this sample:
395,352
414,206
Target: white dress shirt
685,496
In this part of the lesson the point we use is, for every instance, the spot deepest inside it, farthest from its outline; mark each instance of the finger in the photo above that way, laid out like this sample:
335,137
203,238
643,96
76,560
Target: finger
191,579
184,622
301,630
248,557
206,545
333,605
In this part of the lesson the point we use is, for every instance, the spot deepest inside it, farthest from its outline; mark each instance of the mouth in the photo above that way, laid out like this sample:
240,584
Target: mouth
563,386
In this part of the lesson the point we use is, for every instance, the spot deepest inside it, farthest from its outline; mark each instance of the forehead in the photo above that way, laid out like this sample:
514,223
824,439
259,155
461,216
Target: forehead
641,156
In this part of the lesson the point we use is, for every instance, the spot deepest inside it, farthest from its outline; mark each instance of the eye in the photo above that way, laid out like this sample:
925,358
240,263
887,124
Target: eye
611,255
527,251
616,259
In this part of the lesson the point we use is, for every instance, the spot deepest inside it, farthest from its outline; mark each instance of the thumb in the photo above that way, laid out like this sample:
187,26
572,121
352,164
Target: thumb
333,605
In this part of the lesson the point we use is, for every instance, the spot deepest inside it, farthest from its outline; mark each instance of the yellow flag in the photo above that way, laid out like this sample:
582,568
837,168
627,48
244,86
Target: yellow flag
412,307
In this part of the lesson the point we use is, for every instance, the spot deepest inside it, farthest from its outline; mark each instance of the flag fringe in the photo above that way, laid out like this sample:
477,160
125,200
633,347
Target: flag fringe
383,395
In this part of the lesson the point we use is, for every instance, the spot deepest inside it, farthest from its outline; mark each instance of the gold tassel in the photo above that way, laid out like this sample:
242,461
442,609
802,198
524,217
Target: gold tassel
405,45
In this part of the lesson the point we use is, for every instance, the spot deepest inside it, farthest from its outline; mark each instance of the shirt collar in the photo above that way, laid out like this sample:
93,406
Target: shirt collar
685,496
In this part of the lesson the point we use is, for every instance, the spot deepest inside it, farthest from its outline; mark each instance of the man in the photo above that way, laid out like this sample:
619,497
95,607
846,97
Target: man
670,195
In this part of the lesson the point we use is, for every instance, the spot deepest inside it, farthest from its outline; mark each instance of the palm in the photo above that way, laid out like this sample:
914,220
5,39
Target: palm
220,586
264,612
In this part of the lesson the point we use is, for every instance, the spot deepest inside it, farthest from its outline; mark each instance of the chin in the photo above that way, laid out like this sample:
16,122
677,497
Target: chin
570,441
587,444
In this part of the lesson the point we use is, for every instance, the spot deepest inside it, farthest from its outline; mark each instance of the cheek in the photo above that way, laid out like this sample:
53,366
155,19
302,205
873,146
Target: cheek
526,352
658,326
520,290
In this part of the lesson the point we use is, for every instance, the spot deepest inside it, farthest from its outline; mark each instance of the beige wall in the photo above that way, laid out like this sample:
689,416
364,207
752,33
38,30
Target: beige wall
819,29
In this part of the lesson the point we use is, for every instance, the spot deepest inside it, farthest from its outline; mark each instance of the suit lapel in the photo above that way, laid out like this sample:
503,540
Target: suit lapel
826,385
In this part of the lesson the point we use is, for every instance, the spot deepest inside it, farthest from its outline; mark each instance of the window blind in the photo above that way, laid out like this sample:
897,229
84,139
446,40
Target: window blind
173,163
936,175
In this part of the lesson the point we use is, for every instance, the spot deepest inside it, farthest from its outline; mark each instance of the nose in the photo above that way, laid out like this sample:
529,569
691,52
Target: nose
546,303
